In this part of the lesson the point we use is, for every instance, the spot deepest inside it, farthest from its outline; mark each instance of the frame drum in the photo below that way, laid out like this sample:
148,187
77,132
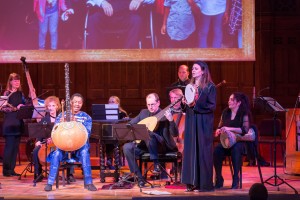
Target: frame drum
189,93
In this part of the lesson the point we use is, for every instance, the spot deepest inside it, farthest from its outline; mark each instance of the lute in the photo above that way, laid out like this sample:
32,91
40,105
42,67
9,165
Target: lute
151,122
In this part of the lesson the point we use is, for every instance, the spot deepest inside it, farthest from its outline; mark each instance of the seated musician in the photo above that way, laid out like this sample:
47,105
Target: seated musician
109,148
178,115
235,119
52,104
161,139
82,155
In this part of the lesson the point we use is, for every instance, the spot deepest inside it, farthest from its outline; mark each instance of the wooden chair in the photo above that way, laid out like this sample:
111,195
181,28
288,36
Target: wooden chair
173,157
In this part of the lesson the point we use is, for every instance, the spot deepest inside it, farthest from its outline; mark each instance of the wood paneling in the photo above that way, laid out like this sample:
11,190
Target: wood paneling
277,65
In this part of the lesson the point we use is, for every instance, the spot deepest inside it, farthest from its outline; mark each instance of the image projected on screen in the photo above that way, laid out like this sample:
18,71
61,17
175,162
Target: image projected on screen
115,24
127,30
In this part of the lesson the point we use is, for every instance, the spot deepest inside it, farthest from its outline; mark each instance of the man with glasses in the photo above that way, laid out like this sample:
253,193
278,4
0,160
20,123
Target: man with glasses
161,139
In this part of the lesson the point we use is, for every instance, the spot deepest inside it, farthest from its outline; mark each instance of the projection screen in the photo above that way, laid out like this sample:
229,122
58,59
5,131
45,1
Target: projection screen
81,31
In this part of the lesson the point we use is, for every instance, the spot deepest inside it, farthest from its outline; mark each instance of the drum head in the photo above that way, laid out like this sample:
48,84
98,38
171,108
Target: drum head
189,93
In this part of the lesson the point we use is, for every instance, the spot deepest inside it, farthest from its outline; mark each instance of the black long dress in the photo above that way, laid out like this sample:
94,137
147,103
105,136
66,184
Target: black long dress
12,130
197,166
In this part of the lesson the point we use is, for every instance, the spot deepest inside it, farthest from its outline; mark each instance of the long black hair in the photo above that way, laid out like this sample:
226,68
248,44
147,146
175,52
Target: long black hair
244,108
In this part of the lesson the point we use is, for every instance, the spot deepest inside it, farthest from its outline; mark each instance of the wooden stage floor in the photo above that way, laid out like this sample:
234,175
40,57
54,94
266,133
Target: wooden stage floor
12,188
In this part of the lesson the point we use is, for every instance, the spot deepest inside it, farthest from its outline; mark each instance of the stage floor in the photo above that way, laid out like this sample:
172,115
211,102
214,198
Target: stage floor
12,188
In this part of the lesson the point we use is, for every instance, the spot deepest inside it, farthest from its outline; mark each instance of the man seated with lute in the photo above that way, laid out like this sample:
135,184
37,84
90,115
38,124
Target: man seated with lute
161,137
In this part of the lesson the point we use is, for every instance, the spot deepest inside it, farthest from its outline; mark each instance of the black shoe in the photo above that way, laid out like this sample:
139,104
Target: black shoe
141,183
15,174
7,175
219,183
71,179
90,187
156,169
190,188
48,187
264,163
235,183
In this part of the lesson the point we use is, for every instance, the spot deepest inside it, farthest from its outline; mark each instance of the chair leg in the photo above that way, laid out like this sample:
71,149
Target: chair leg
176,170
63,177
258,165
230,166
241,177
57,179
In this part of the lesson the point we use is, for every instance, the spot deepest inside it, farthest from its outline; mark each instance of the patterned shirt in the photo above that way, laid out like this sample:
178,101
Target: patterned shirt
180,22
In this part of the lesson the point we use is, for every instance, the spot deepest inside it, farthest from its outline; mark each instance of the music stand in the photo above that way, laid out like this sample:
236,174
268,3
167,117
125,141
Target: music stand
272,106
130,132
31,112
40,130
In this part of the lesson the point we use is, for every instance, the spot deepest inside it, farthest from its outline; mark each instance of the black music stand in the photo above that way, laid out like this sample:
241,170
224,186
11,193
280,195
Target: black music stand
40,130
130,132
272,106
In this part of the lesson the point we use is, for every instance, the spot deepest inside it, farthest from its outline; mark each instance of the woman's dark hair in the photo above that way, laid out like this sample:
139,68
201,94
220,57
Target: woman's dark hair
244,108
205,78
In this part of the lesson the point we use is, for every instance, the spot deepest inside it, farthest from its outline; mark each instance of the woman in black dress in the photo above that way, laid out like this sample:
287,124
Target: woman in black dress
234,119
197,169
12,127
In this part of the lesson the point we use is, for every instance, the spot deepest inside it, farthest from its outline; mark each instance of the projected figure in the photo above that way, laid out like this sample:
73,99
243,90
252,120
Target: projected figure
47,12
110,20
210,15
179,24
235,21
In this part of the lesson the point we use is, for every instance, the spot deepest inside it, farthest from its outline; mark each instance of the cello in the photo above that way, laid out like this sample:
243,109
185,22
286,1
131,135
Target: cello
179,119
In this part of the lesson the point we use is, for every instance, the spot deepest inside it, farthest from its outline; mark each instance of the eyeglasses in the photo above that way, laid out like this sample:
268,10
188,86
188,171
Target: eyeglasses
151,105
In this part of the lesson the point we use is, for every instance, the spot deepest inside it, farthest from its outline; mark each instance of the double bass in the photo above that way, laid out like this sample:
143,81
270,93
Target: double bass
45,149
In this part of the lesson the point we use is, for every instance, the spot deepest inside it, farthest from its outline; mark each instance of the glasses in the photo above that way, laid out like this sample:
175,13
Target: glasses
152,104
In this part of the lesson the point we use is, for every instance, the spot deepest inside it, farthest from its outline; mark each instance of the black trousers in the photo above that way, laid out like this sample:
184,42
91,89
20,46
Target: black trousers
11,150
236,152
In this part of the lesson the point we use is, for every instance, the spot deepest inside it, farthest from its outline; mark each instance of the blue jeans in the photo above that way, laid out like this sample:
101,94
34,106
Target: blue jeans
84,157
205,22
50,20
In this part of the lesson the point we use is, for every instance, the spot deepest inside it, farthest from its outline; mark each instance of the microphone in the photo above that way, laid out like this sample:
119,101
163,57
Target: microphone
0,88
266,88
221,83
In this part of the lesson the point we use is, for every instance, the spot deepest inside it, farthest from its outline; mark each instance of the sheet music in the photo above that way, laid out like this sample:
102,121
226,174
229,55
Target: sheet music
273,104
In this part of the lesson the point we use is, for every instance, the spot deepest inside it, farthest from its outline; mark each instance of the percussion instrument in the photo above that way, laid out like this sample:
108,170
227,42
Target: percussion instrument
190,93
228,138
